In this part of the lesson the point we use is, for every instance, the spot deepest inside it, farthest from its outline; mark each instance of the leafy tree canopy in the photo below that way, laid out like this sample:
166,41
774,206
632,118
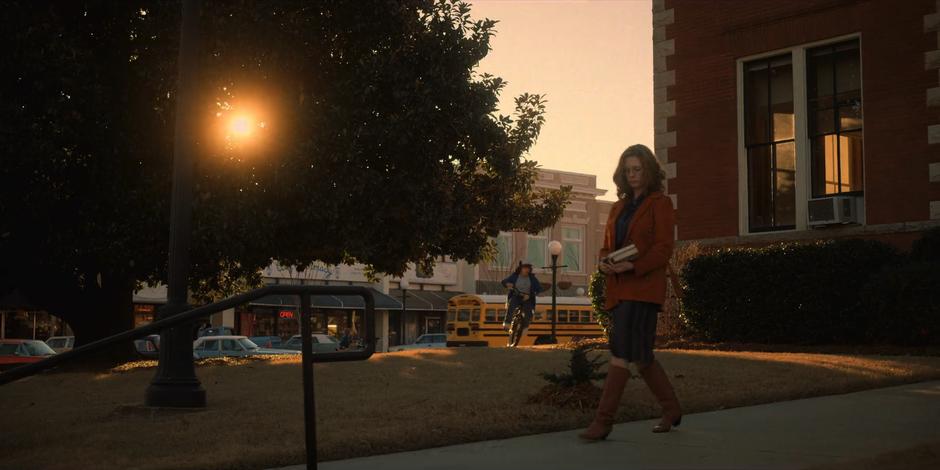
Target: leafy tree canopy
376,141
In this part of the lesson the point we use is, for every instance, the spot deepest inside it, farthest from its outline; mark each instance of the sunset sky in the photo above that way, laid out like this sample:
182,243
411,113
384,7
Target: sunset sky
594,61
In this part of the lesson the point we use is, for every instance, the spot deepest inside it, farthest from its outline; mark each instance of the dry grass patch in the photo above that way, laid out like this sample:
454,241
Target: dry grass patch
393,402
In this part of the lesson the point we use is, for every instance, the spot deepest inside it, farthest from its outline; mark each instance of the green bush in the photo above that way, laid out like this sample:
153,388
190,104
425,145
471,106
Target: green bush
902,304
927,247
784,293
596,293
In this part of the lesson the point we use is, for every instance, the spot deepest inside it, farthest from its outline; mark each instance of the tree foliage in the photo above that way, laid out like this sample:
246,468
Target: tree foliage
381,143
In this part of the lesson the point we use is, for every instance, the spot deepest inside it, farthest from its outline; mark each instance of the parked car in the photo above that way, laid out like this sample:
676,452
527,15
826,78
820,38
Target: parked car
61,343
430,340
230,346
321,343
15,352
274,342
148,346
216,331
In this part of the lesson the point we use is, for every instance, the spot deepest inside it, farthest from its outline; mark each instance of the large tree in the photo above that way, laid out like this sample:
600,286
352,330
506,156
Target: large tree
380,144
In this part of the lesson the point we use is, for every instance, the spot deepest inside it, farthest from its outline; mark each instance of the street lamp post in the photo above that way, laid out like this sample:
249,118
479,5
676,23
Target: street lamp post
554,248
403,284
175,383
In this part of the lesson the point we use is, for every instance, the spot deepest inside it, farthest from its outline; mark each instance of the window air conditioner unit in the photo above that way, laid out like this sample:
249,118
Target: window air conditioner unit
832,211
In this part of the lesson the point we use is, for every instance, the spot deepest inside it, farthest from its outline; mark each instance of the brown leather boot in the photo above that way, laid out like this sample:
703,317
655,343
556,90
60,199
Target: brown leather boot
658,382
607,407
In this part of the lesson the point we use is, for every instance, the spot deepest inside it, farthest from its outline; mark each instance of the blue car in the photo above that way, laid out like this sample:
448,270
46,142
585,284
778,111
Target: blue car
231,346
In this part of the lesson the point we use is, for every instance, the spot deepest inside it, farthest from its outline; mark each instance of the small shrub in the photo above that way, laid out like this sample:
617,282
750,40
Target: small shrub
574,388
581,369
784,293
902,304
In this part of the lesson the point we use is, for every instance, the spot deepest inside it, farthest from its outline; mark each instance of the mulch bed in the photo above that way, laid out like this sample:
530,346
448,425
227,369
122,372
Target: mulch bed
582,397
850,349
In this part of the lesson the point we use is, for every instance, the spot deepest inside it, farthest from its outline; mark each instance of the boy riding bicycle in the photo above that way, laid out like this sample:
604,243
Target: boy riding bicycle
523,288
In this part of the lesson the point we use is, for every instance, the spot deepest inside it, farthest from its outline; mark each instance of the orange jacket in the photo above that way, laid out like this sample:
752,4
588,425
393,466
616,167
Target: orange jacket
652,230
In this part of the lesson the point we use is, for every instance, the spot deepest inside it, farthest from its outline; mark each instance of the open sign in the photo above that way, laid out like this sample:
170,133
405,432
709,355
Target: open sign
287,314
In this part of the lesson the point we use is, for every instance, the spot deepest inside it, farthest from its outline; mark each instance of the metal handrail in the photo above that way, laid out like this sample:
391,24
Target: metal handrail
189,316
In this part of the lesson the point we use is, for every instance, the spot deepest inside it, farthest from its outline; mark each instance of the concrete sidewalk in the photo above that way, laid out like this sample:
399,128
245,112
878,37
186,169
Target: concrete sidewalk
791,434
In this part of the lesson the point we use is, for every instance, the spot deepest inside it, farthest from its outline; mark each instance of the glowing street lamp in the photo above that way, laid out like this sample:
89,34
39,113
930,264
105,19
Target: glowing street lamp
554,248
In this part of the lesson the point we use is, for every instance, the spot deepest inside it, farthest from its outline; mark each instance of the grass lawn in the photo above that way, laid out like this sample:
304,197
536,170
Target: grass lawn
393,402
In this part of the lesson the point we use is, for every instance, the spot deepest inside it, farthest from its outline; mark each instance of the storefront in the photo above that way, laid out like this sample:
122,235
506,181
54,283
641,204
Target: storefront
424,313
278,315
144,314
31,324
19,319
147,301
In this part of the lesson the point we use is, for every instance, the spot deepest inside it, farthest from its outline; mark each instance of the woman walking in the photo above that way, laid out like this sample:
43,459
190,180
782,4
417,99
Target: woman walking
636,289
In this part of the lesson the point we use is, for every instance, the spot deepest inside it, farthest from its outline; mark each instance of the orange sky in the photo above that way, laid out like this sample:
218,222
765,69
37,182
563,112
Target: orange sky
594,61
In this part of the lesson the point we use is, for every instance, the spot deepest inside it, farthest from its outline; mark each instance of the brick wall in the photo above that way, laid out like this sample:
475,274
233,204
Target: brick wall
698,43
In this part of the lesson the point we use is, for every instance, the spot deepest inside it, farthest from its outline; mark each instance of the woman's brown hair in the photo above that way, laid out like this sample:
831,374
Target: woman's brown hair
652,171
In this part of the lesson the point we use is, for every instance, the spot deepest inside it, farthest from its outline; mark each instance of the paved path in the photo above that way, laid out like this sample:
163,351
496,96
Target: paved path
791,434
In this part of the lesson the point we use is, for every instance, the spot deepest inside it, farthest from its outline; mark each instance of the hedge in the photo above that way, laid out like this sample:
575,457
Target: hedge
784,293
902,304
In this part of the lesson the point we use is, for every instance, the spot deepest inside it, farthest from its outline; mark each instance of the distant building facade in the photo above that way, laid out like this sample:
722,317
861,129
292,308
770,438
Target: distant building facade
580,231
404,310
799,120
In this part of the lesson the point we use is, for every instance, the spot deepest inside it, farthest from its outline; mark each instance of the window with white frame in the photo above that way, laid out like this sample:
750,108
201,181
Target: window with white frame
800,129
537,249
769,143
573,254
503,257
834,105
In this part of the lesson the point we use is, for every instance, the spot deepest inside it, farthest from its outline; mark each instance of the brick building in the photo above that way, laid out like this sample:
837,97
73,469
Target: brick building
799,119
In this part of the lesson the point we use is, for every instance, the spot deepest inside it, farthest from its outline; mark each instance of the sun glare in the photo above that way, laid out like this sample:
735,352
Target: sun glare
241,126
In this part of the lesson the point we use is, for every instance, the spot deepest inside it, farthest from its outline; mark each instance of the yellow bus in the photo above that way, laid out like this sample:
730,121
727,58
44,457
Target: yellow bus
477,320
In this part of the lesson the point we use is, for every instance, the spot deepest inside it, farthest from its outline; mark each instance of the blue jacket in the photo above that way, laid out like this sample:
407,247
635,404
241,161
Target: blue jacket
536,287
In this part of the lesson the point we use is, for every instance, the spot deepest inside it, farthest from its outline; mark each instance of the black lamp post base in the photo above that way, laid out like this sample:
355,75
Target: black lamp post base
176,395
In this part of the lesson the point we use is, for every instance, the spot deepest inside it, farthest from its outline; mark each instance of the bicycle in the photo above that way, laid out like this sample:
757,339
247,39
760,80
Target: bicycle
516,317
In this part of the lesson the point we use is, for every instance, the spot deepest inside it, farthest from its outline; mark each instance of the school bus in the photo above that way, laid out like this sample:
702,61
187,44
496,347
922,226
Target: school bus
477,320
